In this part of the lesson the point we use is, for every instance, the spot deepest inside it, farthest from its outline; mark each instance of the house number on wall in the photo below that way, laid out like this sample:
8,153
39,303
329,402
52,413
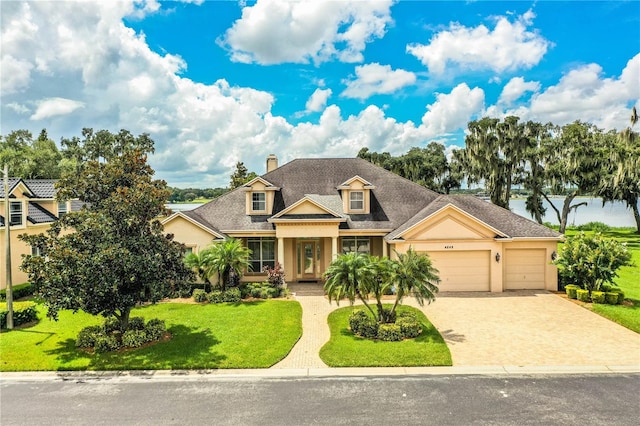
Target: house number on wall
448,247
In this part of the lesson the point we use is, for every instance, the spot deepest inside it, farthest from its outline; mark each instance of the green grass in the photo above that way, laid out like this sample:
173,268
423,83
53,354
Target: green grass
244,335
627,315
344,349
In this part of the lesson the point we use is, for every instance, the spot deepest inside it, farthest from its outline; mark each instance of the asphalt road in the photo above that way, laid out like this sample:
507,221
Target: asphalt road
420,400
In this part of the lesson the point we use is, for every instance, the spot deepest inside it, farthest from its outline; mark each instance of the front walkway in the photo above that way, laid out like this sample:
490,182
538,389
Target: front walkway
524,328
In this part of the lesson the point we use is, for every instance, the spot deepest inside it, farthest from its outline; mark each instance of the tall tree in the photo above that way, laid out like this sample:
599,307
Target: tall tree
117,254
621,182
28,158
494,153
241,176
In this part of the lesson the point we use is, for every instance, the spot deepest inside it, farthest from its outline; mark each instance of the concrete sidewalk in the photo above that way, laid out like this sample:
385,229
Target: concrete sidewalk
524,328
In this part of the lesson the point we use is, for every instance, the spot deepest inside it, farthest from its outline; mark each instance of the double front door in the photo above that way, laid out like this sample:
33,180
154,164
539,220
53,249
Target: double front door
309,259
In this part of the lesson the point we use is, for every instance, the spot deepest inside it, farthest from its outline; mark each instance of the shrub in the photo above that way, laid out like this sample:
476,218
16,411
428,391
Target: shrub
199,295
606,287
363,325
181,289
23,312
136,323
215,296
389,332
275,276
110,325
611,297
593,226
571,290
597,297
582,295
134,338
19,291
106,343
232,295
155,328
88,335
409,327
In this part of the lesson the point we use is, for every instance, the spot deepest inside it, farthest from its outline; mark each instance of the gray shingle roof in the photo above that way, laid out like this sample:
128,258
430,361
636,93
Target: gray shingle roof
38,214
42,188
396,203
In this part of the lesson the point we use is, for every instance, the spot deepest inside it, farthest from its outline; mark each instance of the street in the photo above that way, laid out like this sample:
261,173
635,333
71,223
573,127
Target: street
580,399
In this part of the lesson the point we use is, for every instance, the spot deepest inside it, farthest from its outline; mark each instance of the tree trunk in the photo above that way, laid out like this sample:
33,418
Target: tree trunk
124,318
636,216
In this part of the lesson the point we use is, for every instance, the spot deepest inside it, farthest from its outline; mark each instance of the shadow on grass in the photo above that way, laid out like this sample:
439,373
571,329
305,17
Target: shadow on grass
189,348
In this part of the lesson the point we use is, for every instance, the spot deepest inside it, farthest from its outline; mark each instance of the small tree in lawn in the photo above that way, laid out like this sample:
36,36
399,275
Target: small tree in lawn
112,254
413,274
229,258
591,260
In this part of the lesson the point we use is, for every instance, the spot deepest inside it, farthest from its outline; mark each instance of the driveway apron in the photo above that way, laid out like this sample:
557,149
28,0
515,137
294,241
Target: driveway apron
515,328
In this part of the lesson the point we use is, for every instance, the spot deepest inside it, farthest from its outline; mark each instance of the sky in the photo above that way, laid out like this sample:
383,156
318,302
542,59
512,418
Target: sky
217,82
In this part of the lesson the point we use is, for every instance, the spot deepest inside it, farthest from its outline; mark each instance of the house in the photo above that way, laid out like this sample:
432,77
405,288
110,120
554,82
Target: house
306,212
32,209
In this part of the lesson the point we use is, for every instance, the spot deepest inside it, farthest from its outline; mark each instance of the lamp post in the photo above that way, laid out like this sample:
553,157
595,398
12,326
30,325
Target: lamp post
7,222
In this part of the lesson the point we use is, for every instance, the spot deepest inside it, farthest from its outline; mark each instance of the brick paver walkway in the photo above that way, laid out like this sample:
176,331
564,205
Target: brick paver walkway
525,328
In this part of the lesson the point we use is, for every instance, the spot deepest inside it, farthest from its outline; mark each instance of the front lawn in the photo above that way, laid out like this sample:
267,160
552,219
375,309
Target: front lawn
243,335
344,349
628,314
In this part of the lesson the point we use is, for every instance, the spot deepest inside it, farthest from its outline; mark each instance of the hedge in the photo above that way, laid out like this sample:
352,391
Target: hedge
23,312
19,291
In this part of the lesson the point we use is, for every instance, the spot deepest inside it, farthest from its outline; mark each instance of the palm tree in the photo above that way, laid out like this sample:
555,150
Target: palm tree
230,259
200,264
413,274
350,275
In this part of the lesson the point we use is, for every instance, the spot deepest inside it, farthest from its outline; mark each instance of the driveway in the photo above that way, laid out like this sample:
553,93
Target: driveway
522,328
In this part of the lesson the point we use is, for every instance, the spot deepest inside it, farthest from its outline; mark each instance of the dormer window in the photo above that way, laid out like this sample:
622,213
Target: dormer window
259,201
15,213
62,208
356,200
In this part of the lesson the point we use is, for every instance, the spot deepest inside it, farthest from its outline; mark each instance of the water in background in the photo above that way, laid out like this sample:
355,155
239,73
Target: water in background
613,214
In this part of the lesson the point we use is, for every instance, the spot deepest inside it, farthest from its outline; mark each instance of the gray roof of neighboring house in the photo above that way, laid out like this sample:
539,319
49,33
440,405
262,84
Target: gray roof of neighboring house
396,203
41,188
38,214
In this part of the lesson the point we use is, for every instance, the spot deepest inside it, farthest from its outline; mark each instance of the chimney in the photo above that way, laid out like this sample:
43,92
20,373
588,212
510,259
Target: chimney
272,162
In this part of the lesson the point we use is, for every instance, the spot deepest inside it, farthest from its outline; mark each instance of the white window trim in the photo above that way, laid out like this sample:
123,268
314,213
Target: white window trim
66,208
11,213
351,201
264,195
355,239
261,240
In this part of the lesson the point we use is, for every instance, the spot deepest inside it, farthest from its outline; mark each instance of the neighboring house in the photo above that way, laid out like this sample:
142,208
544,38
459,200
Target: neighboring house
306,212
32,209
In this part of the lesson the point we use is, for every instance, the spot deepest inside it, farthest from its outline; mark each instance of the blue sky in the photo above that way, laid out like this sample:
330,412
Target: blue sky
220,82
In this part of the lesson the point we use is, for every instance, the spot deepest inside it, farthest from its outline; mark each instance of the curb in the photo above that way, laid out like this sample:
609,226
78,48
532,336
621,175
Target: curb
271,373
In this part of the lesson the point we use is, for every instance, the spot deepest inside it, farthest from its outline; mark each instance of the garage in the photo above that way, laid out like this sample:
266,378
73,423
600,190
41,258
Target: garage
524,269
463,270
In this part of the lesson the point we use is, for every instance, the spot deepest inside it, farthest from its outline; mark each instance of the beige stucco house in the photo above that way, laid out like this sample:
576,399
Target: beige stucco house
308,211
32,209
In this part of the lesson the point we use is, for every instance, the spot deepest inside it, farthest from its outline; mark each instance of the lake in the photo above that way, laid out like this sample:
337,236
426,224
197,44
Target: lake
613,214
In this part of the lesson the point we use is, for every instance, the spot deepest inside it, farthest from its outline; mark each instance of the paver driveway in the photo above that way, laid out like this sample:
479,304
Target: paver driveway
524,328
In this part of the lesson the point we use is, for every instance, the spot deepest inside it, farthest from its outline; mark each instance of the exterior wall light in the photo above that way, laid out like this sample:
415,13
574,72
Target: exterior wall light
554,255
497,257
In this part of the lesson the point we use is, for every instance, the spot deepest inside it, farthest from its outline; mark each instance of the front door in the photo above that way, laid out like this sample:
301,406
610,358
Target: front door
308,260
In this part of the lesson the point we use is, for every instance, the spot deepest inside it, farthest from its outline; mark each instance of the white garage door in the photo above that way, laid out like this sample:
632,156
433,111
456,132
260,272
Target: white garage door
524,269
463,270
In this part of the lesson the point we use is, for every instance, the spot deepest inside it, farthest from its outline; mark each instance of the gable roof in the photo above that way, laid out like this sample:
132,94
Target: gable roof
393,202
396,204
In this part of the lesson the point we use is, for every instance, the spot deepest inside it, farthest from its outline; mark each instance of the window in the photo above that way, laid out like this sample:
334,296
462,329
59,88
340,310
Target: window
356,200
62,208
15,209
258,201
37,251
263,253
356,244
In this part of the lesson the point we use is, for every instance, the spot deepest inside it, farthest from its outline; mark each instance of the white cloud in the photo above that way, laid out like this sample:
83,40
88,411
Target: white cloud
277,31
318,100
374,79
454,110
55,106
19,108
515,88
509,46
